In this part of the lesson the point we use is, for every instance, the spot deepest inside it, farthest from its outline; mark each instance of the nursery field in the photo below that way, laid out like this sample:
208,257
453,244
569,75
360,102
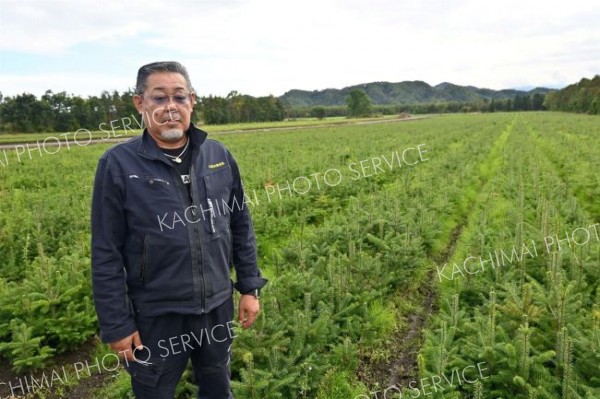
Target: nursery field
456,256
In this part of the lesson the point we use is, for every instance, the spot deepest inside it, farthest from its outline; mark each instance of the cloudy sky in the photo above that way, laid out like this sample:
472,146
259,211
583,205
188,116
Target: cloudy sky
262,47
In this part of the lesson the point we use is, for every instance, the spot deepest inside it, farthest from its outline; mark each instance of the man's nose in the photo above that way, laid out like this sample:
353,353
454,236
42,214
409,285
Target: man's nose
171,104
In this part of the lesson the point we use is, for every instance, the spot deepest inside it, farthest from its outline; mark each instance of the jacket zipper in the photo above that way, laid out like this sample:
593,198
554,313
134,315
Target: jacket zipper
143,266
196,239
197,236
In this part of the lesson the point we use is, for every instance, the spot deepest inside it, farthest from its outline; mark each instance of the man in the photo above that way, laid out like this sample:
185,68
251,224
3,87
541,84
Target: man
168,220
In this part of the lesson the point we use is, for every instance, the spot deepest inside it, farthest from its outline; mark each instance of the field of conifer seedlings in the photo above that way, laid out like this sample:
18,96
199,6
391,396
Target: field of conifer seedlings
454,256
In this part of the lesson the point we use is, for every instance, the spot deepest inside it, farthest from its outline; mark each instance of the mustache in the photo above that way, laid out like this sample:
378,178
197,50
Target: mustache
172,117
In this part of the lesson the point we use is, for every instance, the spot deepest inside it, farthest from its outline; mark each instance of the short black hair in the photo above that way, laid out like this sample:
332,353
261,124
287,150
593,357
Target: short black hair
161,66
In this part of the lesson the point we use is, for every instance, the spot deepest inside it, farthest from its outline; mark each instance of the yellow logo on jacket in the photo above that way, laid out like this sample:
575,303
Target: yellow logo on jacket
216,165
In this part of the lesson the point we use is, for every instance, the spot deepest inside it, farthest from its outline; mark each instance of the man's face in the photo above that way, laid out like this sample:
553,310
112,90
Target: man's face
166,106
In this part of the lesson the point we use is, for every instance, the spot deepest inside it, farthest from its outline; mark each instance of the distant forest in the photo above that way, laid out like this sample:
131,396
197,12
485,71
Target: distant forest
62,112
406,93
582,97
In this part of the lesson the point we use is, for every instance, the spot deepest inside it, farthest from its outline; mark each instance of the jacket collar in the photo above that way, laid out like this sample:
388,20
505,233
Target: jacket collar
149,149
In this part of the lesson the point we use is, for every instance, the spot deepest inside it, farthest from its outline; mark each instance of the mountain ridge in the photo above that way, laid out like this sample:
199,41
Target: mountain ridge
404,93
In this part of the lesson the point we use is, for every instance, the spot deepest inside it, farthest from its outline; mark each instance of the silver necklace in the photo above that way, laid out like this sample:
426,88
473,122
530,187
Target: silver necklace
177,159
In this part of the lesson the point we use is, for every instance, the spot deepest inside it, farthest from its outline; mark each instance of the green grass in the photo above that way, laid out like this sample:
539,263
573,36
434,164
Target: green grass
83,136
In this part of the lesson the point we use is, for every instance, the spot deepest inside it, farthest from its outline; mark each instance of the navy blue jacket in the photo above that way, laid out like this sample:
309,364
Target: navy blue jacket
155,250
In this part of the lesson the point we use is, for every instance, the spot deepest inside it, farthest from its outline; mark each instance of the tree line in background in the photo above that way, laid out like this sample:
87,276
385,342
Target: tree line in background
358,104
582,97
236,108
61,112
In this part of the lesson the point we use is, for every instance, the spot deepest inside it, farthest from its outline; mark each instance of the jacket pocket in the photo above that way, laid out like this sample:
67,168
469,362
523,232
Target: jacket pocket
218,272
145,194
135,258
166,273
218,192
146,374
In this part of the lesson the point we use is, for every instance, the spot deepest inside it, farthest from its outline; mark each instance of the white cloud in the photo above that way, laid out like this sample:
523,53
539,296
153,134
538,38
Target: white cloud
50,27
81,83
268,46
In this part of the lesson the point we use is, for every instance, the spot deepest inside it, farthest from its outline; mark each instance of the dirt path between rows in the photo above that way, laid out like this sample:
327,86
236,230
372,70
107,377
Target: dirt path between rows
404,368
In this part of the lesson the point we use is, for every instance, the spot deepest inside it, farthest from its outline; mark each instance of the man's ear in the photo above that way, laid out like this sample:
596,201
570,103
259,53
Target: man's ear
138,101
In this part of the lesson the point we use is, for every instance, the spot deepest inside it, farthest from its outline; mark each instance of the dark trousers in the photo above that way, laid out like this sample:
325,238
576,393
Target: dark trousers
171,340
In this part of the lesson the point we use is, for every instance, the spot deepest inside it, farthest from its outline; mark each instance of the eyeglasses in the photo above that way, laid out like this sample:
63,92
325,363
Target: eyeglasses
181,99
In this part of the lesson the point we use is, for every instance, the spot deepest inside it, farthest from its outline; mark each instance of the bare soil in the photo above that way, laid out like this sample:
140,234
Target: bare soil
57,388
402,367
